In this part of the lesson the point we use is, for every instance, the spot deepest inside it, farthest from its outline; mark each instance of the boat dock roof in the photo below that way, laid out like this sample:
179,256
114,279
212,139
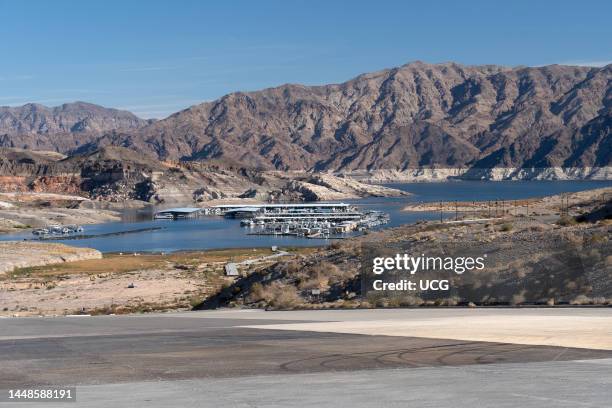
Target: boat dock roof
305,205
180,210
313,216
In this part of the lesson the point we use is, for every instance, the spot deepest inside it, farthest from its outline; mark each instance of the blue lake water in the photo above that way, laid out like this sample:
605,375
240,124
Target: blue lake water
217,232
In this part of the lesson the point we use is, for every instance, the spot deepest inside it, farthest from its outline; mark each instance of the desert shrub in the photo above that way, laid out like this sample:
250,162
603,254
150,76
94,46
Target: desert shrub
382,302
194,301
326,273
351,304
312,283
566,221
410,300
373,296
277,295
581,300
335,245
506,227
325,268
595,255
597,238
257,292
98,311
284,297
354,250
394,302
586,300
572,237
290,268
537,228
452,301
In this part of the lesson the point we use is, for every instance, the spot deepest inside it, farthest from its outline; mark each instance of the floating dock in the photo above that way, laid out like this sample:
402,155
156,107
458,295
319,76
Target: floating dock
322,220
57,229
252,210
311,220
178,213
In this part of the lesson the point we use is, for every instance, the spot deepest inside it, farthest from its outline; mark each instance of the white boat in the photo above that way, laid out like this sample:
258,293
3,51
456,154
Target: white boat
58,229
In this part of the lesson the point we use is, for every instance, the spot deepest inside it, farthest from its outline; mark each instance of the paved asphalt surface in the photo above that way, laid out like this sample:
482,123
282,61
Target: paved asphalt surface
209,359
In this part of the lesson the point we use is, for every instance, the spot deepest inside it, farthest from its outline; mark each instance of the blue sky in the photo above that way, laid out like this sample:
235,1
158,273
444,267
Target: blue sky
157,57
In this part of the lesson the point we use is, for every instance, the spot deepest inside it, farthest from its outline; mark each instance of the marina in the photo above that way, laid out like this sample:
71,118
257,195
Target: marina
182,213
211,230
318,220
56,229
315,225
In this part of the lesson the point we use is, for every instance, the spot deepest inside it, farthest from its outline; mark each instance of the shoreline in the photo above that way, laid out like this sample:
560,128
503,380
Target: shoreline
428,174
155,281
543,205
459,180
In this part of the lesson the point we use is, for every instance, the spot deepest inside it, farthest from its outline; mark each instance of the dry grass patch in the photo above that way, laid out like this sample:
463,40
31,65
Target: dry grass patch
566,221
276,295
119,264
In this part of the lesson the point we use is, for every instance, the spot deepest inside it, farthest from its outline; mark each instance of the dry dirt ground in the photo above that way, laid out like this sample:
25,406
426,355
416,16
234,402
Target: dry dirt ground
19,254
573,202
103,286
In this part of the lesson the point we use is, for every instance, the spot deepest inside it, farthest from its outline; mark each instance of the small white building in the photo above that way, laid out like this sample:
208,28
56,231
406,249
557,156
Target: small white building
231,269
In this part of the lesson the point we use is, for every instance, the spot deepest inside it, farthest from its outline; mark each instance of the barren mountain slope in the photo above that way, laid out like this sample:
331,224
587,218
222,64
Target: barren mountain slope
418,115
118,174
61,128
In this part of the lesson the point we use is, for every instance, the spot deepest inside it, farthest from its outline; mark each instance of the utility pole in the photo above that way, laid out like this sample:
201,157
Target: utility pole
456,211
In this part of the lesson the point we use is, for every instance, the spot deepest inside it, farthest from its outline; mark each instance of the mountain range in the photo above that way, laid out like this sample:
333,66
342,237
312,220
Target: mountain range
62,128
415,116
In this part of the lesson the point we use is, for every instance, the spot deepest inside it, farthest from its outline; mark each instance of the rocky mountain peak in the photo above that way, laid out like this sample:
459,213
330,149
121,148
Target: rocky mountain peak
417,115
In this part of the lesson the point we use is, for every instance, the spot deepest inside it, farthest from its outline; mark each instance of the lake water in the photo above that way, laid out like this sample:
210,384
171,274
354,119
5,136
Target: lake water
218,232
